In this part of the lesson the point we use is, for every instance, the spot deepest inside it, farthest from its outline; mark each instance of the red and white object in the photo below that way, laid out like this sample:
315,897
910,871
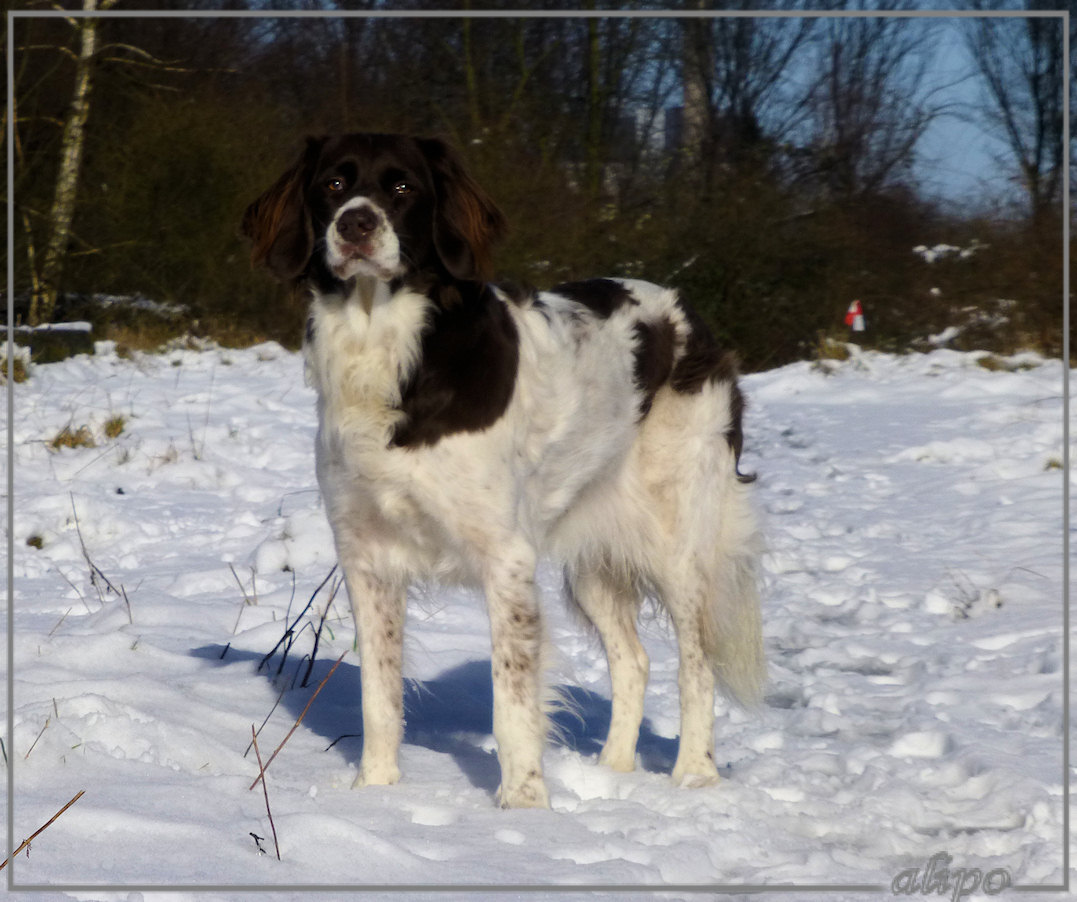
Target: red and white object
854,318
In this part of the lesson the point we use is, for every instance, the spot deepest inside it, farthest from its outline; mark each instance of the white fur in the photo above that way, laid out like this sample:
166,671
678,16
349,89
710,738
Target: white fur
378,255
569,470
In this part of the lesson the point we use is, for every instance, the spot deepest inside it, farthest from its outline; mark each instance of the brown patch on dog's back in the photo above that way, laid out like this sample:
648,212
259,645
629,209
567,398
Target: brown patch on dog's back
653,361
603,297
703,361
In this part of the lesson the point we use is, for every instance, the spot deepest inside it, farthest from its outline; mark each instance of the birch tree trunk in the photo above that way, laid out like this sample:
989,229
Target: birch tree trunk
43,302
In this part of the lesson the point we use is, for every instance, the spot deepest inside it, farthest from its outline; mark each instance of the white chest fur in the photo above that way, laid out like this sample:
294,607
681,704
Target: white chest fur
362,350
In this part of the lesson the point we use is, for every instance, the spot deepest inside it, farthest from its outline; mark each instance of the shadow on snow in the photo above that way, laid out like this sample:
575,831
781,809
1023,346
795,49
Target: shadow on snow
451,714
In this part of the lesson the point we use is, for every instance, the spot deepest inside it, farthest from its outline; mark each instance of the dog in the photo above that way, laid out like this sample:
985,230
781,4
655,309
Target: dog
466,429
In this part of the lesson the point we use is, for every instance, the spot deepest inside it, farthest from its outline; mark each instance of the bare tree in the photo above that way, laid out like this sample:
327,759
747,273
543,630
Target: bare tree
736,75
870,102
62,212
47,269
1022,71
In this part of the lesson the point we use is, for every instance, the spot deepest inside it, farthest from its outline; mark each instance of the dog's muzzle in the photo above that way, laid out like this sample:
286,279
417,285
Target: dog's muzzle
362,241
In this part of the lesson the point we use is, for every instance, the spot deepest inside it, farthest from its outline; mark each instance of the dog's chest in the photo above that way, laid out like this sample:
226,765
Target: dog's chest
359,356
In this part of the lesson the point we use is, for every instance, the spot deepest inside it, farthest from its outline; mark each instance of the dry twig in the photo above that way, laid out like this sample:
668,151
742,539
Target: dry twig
318,632
265,791
280,695
314,695
290,632
48,720
42,829
95,571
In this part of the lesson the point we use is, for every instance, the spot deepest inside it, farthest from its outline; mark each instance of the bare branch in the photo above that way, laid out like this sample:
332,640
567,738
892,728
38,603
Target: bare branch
265,790
42,829
314,695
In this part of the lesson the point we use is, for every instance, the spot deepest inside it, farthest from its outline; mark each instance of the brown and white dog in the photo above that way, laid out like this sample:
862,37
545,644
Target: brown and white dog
465,431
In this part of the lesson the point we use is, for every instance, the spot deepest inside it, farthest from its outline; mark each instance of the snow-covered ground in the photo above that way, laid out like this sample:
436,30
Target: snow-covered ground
913,622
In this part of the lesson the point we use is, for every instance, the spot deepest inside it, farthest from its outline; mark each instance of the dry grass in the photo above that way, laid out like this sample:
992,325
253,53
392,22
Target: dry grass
73,438
114,426
996,364
83,436
20,373
829,348
146,335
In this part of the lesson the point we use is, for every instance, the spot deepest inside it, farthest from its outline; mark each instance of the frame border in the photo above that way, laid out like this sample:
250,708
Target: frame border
721,889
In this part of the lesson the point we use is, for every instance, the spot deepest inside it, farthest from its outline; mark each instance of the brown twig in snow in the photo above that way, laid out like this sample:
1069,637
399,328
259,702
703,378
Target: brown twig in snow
42,829
265,791
48,720
82,598
247,600
314,695
280,695
95,571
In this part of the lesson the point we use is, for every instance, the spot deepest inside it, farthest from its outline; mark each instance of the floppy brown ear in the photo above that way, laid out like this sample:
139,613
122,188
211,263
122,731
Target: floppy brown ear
467,223
278,223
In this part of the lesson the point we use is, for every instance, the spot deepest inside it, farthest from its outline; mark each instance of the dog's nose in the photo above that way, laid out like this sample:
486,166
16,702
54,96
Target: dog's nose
356,224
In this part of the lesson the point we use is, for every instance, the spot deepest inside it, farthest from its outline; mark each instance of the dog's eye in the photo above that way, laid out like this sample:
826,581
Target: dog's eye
334,185
401,188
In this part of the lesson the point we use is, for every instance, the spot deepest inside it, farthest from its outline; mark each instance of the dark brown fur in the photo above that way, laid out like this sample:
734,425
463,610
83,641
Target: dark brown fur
467,372
603,297
703,361
654,359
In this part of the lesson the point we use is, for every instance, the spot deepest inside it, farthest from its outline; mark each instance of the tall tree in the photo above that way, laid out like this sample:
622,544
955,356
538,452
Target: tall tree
736,74
62,212
870,102
1022,71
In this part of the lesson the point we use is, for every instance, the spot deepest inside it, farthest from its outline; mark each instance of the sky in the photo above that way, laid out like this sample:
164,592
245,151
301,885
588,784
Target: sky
961,162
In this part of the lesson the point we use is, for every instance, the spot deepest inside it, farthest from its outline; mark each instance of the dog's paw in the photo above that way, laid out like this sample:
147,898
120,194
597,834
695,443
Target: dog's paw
377,775
697,781
695,774
529,794
618,760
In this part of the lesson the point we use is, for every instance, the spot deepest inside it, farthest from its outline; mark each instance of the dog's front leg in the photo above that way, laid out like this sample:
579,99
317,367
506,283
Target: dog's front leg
379,621
516,634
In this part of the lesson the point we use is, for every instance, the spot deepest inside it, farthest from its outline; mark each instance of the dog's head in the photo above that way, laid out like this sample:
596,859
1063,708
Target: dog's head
386,206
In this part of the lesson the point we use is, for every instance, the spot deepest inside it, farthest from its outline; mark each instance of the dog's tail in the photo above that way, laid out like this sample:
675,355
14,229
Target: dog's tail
732,629
707,574
732,635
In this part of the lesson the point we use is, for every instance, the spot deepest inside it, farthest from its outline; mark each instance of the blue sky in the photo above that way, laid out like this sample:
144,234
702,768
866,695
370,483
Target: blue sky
960,161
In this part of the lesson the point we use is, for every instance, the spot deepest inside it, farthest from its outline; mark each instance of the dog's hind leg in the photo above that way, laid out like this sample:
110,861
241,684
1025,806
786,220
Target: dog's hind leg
684,596
610,601
709,589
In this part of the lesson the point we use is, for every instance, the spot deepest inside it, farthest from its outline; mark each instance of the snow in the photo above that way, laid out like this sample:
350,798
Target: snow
913,599
944,251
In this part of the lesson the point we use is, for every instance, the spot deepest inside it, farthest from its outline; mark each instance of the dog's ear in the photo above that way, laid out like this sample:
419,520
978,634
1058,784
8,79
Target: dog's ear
467,223
278,223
